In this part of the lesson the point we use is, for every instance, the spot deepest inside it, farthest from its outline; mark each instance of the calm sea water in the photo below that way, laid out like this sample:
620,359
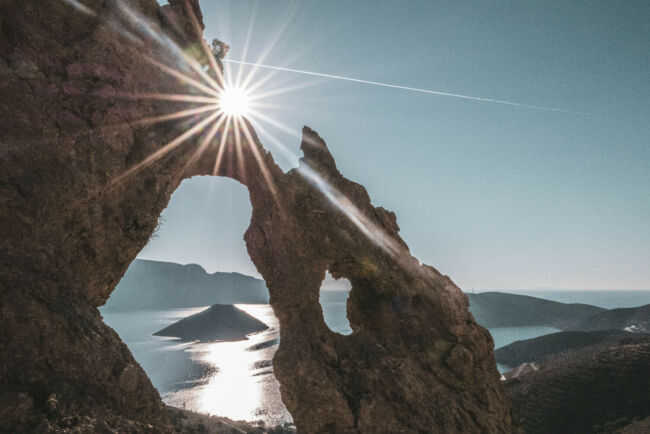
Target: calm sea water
506,335
232,379
235,379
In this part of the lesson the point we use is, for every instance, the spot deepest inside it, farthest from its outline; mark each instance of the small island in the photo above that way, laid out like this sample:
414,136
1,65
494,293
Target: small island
220,322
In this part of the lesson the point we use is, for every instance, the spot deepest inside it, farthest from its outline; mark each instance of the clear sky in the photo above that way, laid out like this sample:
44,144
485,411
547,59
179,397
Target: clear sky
495,196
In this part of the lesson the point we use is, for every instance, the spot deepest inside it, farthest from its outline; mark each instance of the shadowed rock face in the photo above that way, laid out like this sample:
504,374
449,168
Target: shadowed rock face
71,224
416,360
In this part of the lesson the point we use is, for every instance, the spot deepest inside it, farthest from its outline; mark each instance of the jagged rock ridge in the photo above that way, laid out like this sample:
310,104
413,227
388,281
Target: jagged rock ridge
71,223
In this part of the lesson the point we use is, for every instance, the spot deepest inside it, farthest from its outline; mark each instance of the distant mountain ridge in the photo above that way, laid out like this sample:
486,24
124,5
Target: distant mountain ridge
500,309
152,285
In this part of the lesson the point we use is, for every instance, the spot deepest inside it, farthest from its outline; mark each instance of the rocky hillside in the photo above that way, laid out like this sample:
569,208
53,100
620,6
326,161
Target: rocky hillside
634,319
599,389
151,285
541,348
500,309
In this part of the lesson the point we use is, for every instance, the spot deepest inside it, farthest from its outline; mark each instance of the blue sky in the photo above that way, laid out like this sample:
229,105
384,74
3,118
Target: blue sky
495,196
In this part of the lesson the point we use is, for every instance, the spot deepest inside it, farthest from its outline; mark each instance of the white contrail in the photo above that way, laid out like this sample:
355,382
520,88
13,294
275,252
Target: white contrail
394,86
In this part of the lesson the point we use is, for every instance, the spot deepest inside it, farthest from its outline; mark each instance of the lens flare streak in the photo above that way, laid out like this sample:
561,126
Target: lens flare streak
185,78
227,104
339,200
178,115
169,146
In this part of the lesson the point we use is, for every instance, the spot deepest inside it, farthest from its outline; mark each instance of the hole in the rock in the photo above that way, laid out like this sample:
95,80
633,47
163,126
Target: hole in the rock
196,269
333,300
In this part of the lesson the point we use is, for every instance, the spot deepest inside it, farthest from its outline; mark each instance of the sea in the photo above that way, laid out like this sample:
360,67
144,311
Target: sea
235,379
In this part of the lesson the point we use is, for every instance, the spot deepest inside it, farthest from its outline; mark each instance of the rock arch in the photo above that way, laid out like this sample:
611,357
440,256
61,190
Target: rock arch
417,361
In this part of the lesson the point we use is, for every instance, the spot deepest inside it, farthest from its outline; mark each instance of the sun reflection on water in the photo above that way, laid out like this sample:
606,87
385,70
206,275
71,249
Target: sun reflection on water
231,390
240,383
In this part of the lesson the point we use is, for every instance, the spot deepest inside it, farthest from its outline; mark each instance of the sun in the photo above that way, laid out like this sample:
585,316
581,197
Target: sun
234,102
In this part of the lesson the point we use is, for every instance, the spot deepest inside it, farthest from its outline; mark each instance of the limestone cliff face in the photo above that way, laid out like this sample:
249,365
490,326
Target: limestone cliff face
72,93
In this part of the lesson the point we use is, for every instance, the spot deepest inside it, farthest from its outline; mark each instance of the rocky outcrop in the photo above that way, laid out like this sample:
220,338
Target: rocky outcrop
71,80
75,211
414,350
